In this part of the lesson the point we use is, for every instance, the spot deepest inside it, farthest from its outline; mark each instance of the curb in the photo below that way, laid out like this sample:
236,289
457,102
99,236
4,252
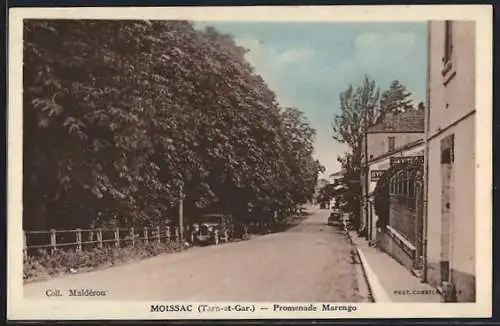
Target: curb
377,291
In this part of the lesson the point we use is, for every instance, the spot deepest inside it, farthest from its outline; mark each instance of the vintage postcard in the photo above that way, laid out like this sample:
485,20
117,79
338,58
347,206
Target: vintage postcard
250,162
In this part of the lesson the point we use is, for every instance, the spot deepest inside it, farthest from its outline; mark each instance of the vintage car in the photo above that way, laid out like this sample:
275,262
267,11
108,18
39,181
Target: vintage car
335,218
211,229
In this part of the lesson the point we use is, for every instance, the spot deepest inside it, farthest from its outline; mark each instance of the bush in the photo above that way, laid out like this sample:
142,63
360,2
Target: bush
44,264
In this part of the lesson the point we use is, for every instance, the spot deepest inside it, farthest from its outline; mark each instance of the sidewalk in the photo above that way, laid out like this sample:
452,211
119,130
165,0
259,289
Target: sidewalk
390,281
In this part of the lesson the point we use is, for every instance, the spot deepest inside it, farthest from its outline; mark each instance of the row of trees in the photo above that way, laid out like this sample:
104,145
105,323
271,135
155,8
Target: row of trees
361,107
119,116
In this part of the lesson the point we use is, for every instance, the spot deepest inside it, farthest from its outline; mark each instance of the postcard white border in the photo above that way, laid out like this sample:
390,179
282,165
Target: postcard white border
22,309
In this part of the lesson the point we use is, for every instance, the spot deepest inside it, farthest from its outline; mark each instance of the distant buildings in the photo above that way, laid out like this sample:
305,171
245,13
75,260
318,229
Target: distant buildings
336,176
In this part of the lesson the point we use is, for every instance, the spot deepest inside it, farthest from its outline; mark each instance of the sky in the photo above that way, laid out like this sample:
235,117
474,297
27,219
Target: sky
308,65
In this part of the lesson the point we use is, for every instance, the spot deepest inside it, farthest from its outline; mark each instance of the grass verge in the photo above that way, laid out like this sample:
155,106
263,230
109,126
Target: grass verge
44,265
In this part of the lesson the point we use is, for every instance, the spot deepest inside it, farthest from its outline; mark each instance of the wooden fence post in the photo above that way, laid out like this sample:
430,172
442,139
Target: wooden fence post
91,238
132,235
25,245
158,239
99,238
168,233
78,240
117,237
177,235
53,243
146,240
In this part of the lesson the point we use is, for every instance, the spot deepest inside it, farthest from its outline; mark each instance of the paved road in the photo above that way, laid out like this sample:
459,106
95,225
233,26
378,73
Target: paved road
310,262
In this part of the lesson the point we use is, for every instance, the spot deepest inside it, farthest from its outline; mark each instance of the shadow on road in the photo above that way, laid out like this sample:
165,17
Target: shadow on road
291,222
286,224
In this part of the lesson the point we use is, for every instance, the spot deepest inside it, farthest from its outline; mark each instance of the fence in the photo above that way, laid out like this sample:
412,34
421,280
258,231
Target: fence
84,238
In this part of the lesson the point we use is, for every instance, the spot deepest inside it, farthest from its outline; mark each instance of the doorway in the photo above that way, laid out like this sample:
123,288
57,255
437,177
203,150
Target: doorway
447,205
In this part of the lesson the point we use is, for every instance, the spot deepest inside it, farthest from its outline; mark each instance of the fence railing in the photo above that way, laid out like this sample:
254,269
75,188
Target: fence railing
80,238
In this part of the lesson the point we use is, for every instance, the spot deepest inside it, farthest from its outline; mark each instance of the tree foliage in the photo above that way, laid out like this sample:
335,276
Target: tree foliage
119,115
322,182
358,110
396,99
327,193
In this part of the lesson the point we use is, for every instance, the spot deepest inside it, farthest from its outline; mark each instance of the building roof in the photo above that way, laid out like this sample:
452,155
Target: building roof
405,147
409,121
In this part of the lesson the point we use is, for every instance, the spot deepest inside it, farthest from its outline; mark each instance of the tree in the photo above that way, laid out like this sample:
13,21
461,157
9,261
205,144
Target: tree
120,114
327,193
299,145
421,106
359,110
396,99
322,182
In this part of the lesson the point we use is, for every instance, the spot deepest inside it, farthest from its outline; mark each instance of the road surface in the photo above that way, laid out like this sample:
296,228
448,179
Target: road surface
310,262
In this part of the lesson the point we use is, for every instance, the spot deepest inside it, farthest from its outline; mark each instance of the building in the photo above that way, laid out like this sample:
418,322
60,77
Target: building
399,135
450,159
336,176
334,180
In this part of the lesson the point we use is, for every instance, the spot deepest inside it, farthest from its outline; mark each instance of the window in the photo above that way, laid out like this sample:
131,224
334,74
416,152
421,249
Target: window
405,184
448,41
448,71
391,141
397,185
447,149
402,183
411,185
411,194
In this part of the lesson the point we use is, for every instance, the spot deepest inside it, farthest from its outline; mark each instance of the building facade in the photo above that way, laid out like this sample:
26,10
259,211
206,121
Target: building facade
334,179
397,135
450,159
